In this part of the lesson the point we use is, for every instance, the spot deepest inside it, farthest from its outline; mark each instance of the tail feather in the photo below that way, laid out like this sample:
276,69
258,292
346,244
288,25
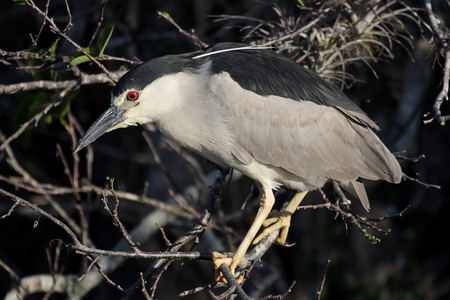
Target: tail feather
357,190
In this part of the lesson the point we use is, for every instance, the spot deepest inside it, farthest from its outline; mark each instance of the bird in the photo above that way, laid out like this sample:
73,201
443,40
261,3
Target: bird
251,109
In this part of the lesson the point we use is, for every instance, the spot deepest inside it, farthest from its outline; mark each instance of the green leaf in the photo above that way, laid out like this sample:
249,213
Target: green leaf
61,110
30,105
64,122
79,59
21,2
53,54
103,39
371,238
48,119
82,58
91,51
167,15
53,50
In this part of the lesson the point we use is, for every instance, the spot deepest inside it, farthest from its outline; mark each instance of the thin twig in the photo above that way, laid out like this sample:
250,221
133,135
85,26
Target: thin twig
99,24
36,186
23,202
144,289
215,192
443,39
108,280
115,215
324,276
192,36
14,276
67,169
282,296
163,269
36,118
160,164
427,185
55,29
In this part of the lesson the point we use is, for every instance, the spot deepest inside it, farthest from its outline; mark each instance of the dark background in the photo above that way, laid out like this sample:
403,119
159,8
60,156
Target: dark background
411,262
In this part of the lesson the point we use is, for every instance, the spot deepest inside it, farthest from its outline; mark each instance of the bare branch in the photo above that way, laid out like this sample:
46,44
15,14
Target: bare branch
144,289
99,24
192,36
37,186
233,283
215,192
115,215
63,34
9,270
443,39
84,79
23,202
324,276
326,37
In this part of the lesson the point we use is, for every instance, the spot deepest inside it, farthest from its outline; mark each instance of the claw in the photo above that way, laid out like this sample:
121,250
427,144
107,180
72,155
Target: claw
220,259
265,207
280,221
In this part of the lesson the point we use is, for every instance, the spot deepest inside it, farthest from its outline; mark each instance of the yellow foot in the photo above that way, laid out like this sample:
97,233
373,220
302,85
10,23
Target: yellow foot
220,259
273,223
281,221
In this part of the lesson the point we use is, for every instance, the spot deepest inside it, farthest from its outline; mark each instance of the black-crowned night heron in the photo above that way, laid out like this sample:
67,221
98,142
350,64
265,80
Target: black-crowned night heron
258,112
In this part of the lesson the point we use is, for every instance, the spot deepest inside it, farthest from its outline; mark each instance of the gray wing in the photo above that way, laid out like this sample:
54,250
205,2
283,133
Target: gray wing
309,140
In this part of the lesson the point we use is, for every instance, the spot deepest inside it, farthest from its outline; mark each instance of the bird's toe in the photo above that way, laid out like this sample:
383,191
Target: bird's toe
274,223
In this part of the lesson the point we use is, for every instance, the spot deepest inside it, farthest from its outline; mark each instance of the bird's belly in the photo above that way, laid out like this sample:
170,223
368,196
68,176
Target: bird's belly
275,177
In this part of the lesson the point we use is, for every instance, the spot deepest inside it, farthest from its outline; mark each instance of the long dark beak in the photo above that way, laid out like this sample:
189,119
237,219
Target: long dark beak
107,121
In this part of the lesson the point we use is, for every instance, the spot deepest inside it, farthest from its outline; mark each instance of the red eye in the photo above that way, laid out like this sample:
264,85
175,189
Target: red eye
133,96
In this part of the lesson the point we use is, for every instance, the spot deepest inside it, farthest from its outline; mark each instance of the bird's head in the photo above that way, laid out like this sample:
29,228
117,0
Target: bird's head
124,111
141,95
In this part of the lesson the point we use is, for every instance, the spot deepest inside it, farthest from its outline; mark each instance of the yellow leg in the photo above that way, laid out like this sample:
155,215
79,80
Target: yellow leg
265,207
282,220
